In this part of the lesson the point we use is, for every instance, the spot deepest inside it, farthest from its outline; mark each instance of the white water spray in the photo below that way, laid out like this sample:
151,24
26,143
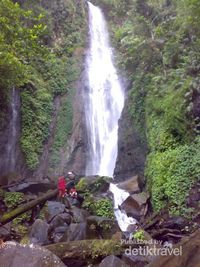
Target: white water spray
12,136
105,101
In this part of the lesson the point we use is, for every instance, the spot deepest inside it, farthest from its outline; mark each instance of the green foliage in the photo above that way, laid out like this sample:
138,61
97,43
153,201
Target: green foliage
21,230
19,42
25,217
82,185
170,171
40,51
139,235
158,47
36,116
13,199
63,129
102,207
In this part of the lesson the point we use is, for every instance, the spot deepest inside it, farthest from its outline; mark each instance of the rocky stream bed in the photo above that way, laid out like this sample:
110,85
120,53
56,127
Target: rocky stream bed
84,231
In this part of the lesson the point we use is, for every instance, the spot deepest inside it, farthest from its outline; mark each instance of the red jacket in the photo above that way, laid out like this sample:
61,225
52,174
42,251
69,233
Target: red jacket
61,183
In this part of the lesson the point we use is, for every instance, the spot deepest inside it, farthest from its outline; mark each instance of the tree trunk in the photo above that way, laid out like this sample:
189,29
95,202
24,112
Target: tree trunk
9,216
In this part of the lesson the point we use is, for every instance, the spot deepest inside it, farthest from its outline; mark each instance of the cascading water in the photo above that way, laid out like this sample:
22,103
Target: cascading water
12,136
104,104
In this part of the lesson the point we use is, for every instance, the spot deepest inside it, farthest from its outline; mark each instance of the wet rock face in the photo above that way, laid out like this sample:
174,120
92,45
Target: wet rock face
131,149
14,255
78,140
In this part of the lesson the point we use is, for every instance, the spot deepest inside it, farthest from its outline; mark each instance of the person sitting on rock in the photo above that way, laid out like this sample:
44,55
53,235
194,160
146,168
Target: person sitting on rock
70,186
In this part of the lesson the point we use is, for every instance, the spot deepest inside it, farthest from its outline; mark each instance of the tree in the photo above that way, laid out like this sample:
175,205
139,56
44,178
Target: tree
20,33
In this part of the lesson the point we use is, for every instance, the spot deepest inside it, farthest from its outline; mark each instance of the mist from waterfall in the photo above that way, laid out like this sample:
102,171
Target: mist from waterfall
104,101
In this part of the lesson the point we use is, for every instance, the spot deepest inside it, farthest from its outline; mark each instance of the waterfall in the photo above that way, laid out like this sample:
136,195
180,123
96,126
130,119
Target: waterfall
105,98
104,101
12,136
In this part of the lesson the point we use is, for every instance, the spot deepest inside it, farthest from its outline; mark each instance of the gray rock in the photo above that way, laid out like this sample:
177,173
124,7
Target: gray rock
131,185
105,227
136,205
60,229
5,231
54,208
132,147
112,261
16,255
78,231
131,207
74,202
39,233
135,261
188,250
63,219
79,215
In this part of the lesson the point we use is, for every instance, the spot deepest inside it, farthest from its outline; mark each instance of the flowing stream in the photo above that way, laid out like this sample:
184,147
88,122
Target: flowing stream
104,104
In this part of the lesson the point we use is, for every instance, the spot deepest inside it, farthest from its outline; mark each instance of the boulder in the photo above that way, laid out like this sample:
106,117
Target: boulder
135,261
79,215
16,255
54,208
112,261
131,207
175,222
78,231
136,205
189,250
58,226
131,185
58,233
94,183
5,231
63,219
105,227
141,198
74,202
39,233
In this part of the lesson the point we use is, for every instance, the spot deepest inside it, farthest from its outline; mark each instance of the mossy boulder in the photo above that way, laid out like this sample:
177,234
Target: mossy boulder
105,227
101,206
94,184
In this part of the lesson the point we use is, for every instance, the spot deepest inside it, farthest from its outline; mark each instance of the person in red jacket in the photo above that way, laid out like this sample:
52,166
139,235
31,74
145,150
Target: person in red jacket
61,187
